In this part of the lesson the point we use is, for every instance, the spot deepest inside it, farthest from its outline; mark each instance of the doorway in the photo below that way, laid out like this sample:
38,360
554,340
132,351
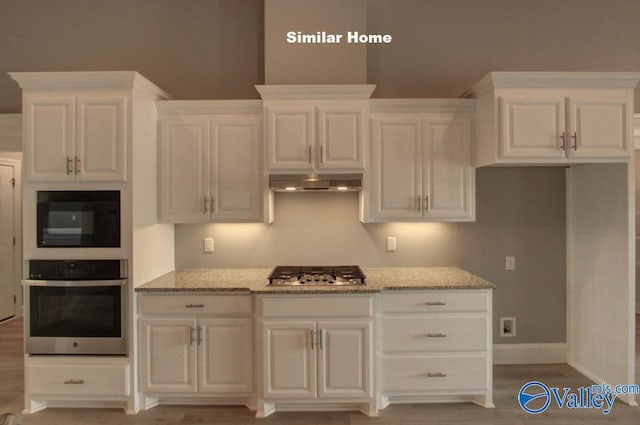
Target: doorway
8,290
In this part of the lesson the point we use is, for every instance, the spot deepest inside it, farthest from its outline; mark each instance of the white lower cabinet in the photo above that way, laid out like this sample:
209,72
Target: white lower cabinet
436,346
311,362
196,355
77,380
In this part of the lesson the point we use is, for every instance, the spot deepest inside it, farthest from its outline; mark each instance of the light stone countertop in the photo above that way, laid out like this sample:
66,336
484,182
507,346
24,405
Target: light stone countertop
255,281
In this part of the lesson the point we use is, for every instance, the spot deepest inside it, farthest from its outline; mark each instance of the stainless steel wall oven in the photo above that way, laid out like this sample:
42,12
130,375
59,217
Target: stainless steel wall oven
76,307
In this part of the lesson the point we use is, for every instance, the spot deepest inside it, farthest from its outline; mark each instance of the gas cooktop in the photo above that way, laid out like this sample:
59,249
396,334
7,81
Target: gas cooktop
317,275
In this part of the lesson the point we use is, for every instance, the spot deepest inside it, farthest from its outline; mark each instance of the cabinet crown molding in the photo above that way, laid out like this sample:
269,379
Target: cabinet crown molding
551,80
315,91
173,107
87,81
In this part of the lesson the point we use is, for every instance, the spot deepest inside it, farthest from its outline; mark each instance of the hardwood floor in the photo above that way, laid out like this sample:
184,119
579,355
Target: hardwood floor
507,382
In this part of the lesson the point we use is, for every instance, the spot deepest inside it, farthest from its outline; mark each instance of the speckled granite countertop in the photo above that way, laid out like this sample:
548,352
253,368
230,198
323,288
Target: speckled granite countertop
255,281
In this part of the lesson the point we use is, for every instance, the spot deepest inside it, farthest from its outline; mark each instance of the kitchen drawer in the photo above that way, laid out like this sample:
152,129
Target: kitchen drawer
78,380
195,304
443,333
403,374
324,306
435,301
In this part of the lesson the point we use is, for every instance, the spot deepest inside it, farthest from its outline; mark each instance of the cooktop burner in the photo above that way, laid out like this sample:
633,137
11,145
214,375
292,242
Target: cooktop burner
317,275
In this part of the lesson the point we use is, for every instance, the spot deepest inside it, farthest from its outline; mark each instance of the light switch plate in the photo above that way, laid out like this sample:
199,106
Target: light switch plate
510,263
392,244
208,244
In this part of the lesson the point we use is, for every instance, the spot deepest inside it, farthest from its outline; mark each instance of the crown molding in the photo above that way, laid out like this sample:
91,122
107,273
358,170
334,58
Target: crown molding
173,107
315,91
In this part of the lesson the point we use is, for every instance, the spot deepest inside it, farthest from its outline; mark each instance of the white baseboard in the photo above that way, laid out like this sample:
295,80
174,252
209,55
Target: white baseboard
629,399
504,354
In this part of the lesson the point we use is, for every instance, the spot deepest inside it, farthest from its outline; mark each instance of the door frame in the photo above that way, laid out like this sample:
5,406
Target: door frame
17,230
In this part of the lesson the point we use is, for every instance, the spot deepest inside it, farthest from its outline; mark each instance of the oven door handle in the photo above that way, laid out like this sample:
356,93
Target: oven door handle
76,283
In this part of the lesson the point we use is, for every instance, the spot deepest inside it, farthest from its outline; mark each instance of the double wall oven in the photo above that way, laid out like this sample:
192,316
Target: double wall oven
74,305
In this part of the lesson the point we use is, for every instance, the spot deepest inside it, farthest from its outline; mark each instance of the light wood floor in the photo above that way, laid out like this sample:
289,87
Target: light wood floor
507,382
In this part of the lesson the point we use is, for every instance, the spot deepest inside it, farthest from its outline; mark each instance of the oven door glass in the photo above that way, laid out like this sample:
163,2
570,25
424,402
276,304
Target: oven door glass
75,311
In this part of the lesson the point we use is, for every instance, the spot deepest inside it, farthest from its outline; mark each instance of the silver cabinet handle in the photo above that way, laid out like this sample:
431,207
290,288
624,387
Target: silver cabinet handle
313,337
563,137
320,338
204,205
426,203
432,303
436,375
309,153
213,204
200,330
69,161
419,204
74,382
191,338
574,136
321,154
194,305
436,335
77,166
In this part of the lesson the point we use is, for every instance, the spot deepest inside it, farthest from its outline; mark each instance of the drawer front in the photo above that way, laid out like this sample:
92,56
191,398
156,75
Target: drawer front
195,304
435,301
82,380
403,374
432,334
316,306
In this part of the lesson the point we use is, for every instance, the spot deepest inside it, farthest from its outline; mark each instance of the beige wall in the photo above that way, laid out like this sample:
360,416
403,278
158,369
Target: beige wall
520,212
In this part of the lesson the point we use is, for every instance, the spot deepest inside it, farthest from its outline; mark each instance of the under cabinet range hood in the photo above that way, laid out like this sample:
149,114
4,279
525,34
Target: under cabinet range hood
315,182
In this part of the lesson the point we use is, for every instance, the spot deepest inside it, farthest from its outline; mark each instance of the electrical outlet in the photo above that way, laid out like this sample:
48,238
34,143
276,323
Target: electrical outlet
507,326
208,245
510,263
392,244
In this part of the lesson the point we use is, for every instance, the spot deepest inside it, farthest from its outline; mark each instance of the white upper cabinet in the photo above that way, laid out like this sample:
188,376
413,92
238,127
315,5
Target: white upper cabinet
75,137
421,167
78,125
554,118
210,161
315,128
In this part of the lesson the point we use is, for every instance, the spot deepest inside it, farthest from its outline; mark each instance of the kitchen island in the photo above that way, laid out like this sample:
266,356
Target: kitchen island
224,336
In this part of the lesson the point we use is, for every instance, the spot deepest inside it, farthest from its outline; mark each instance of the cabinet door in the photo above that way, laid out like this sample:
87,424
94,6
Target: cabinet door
225,361
599,125
236,185
341,131
448,177
184,170
532,126
168,355
289,359
101,144
396,167
344,366
49,140
290,131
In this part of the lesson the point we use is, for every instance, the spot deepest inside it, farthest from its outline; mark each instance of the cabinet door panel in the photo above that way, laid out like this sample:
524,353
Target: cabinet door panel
50,138
289,359
532,126
235,161
169,356
184,170
448,175
599,126
102,135
344,362
290,133
341,137
396,167
225,363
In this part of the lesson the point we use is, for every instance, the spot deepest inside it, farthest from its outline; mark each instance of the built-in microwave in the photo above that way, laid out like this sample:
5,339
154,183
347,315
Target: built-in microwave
78,219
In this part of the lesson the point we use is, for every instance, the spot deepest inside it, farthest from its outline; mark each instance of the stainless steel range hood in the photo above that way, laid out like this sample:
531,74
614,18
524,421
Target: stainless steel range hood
315,182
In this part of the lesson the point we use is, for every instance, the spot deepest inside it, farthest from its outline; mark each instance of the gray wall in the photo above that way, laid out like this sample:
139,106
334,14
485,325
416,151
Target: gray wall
520,212
213,49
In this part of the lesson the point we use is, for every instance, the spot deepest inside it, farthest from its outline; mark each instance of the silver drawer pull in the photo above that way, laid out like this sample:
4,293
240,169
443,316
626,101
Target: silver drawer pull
438,335
74,382
435,303
194,306
436,375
